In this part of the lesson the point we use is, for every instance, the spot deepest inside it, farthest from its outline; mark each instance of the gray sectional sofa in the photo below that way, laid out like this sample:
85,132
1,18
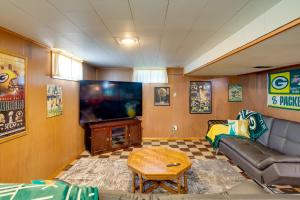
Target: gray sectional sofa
245,190
274,158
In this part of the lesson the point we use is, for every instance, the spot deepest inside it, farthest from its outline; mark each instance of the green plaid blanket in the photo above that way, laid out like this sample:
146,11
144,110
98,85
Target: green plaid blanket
257,125
42,191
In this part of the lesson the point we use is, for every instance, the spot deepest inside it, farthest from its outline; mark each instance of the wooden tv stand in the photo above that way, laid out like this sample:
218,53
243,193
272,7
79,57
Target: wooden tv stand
113,135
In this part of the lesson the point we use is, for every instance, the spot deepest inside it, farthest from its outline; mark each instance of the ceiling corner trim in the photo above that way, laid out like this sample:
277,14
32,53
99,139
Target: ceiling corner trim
277,19
25,38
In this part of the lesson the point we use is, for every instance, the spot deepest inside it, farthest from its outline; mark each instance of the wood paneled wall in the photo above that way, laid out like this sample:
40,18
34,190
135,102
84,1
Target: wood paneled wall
50,143
89,71
255,97
114,74
157,121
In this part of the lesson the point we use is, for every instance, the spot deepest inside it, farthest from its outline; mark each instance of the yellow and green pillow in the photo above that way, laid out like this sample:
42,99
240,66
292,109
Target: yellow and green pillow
239,127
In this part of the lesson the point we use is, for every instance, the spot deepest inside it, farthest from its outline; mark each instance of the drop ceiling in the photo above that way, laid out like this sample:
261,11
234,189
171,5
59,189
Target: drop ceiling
278,51
170,32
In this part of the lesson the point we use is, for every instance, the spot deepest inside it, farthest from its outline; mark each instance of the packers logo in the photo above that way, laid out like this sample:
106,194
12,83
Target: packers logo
280,82
3,77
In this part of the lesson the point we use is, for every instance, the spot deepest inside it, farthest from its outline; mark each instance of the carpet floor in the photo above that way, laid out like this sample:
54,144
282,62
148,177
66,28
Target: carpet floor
199,150
205,176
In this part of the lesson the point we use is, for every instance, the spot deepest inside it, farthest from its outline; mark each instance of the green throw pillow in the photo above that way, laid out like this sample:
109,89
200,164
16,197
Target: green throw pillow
257,125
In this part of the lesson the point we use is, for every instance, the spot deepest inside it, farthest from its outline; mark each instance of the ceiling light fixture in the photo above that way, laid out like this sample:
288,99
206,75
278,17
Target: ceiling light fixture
127,41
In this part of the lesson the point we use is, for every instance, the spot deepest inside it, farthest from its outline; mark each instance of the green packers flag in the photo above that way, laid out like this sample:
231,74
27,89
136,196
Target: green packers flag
284,89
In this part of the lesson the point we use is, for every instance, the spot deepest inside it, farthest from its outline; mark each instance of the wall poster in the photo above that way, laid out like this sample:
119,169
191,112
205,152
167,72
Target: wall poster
12,95
200,97
235,93
284,89
54,100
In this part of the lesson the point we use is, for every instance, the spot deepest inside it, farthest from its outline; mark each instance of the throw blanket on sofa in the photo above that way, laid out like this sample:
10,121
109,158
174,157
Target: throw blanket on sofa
217,132
257,125
47,190
219,137
214,131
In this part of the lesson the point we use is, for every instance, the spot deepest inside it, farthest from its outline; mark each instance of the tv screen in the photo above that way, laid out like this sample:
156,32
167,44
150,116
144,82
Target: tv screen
108,100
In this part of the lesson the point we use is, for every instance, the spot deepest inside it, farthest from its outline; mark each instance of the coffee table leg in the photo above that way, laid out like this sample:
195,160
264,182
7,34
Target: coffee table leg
141,183
133,182
179,184
185,183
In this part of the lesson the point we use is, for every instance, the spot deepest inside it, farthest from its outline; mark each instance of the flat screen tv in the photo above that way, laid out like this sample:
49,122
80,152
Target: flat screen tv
109,100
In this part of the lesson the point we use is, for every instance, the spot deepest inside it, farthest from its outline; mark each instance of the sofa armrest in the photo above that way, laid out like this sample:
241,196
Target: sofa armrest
286,159
213,122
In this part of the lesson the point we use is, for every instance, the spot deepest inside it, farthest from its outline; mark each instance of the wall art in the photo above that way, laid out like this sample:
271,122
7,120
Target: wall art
54,100
12,95
284,89
235,93
200,97
161,96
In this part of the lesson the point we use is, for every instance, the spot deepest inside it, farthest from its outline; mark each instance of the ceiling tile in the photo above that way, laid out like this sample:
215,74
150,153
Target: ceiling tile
86,27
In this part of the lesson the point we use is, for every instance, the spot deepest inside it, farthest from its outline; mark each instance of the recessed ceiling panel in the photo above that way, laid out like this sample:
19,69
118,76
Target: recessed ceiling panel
278,51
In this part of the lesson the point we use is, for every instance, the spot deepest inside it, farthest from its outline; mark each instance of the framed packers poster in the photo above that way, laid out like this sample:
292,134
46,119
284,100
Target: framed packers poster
235,93
200,97
12,95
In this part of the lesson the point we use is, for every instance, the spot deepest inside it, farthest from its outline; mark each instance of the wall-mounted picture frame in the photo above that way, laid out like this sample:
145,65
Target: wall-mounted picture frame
200,100
54,100
235,93
12,96
161,96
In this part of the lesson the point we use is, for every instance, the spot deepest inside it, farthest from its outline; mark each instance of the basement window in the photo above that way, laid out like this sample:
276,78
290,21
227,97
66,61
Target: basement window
66,67
150,75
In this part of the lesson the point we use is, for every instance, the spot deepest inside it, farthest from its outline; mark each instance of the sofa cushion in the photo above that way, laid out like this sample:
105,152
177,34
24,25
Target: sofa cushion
122,195
264,138
256,154
247,187
285,137
239,127
285,159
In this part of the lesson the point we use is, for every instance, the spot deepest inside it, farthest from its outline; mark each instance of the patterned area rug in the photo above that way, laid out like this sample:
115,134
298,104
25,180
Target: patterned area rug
205,176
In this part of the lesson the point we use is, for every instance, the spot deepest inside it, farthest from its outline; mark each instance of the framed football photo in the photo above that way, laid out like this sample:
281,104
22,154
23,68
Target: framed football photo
200,97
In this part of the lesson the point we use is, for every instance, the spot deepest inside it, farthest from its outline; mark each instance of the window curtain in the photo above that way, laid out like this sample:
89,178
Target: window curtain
64,67
150,75
77,73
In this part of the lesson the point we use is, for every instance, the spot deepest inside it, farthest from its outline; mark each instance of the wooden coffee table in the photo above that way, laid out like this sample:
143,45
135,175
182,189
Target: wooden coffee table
150,165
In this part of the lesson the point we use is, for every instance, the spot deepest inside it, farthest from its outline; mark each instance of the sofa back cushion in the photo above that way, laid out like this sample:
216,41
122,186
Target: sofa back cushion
264,138
285,137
